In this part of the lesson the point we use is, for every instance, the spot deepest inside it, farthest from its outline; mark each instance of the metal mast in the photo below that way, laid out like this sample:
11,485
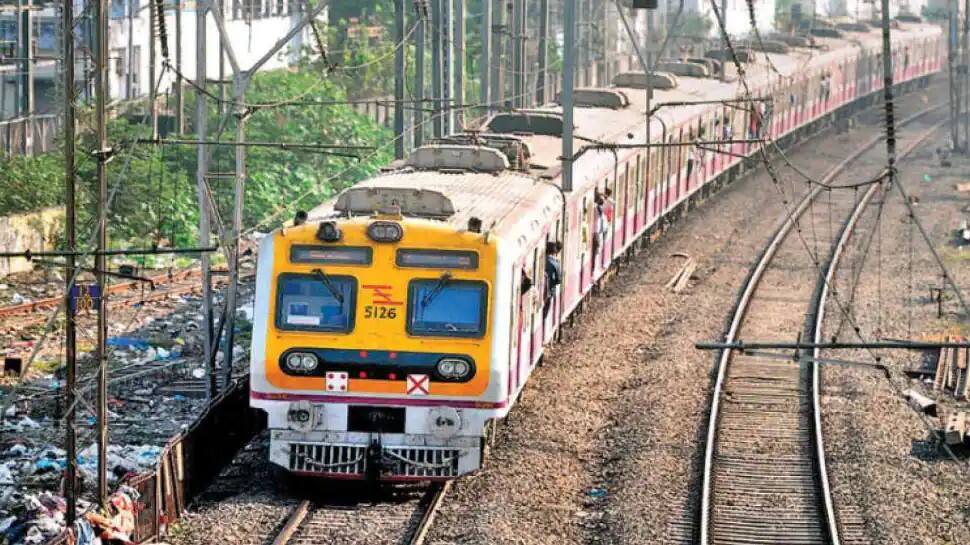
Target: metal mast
399,79
569,65
543,52
70,329
421,12
202,193
103,154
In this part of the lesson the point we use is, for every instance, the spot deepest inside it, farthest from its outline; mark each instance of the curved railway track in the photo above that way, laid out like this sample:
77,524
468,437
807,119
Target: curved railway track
764,473
405,521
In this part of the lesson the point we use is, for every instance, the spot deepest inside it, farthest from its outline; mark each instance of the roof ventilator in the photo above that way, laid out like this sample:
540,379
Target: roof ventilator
458,157
516,150
526,122
592,97
365,201
684,69
638,80
725,55
772,46
853,27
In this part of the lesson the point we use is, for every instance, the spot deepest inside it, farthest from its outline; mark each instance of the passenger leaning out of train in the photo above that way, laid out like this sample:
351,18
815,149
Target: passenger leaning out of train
553,274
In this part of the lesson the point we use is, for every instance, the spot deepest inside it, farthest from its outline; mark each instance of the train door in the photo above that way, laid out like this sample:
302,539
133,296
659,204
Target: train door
619,212
640,203
583,247
535,312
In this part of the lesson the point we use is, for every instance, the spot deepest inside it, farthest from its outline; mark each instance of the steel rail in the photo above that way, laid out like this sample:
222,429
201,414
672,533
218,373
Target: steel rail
738,314
429,506
822,291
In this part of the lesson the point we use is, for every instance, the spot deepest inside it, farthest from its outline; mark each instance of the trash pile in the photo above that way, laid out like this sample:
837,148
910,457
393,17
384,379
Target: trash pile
47,514
156,389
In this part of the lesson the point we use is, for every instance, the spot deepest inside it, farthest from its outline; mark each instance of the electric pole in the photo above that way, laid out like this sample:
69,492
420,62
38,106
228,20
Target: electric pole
447,78
543,52
26,38
202,193
457,117
437,87
484,62
517,64
177,81
70,329
569,63
399,79
724,60
497,92
103,155
952,76
421,12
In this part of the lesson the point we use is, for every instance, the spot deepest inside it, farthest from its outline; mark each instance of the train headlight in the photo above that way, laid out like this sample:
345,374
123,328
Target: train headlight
328,231
302,361
385,231
454,368
300,416
309,362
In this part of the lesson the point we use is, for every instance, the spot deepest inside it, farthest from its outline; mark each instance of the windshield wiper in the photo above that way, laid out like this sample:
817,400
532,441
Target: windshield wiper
442,280
330,287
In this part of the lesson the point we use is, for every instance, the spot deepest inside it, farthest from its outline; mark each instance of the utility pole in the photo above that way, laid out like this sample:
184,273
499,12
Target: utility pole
179,96
497,92
152,37
723,59
517,63
952,77
202,192
436,88
103,155
458,117
543,52
70,328
399,80
569,63
239,85
130,72
27,73
965,79
448,47
484,62
421,12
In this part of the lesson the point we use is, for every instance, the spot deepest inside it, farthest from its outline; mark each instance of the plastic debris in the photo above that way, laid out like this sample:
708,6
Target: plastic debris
17,299
596,493
130,343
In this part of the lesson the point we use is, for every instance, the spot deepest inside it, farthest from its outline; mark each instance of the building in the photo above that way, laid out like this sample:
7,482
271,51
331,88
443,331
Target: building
253,26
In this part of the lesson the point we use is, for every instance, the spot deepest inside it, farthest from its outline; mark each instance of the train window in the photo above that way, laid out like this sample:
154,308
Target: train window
441,307
437,259
316,302
332,255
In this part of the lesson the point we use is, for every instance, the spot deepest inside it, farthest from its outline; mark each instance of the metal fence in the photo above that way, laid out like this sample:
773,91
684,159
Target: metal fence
44,131
190,462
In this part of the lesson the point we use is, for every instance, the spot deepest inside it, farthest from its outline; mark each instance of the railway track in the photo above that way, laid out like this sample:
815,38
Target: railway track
401,521
764,473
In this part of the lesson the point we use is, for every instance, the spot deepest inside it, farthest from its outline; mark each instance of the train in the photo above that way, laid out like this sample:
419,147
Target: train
396,324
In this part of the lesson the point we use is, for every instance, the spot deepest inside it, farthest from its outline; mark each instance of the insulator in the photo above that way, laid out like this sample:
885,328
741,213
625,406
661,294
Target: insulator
160,28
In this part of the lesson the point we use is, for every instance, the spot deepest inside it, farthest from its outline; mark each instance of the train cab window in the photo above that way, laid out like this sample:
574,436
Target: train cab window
441,307
316,302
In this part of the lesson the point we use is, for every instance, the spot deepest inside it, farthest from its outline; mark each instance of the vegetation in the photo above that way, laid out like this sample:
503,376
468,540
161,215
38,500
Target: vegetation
155,201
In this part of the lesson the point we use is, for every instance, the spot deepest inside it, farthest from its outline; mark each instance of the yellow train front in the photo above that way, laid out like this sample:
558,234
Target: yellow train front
371,347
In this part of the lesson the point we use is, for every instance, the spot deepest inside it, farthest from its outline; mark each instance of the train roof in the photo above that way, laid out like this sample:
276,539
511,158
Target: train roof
512,203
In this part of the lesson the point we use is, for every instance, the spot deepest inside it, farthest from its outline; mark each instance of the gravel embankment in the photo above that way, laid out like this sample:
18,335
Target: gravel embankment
883,462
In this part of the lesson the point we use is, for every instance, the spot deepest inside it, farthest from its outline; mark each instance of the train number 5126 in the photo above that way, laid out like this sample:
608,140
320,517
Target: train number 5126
379,312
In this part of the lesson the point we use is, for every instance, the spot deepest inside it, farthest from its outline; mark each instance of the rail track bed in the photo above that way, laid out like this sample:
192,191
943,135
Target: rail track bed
393,517
764,478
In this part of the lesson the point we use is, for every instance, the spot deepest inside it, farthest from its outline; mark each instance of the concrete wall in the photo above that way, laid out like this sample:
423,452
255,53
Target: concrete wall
32,231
